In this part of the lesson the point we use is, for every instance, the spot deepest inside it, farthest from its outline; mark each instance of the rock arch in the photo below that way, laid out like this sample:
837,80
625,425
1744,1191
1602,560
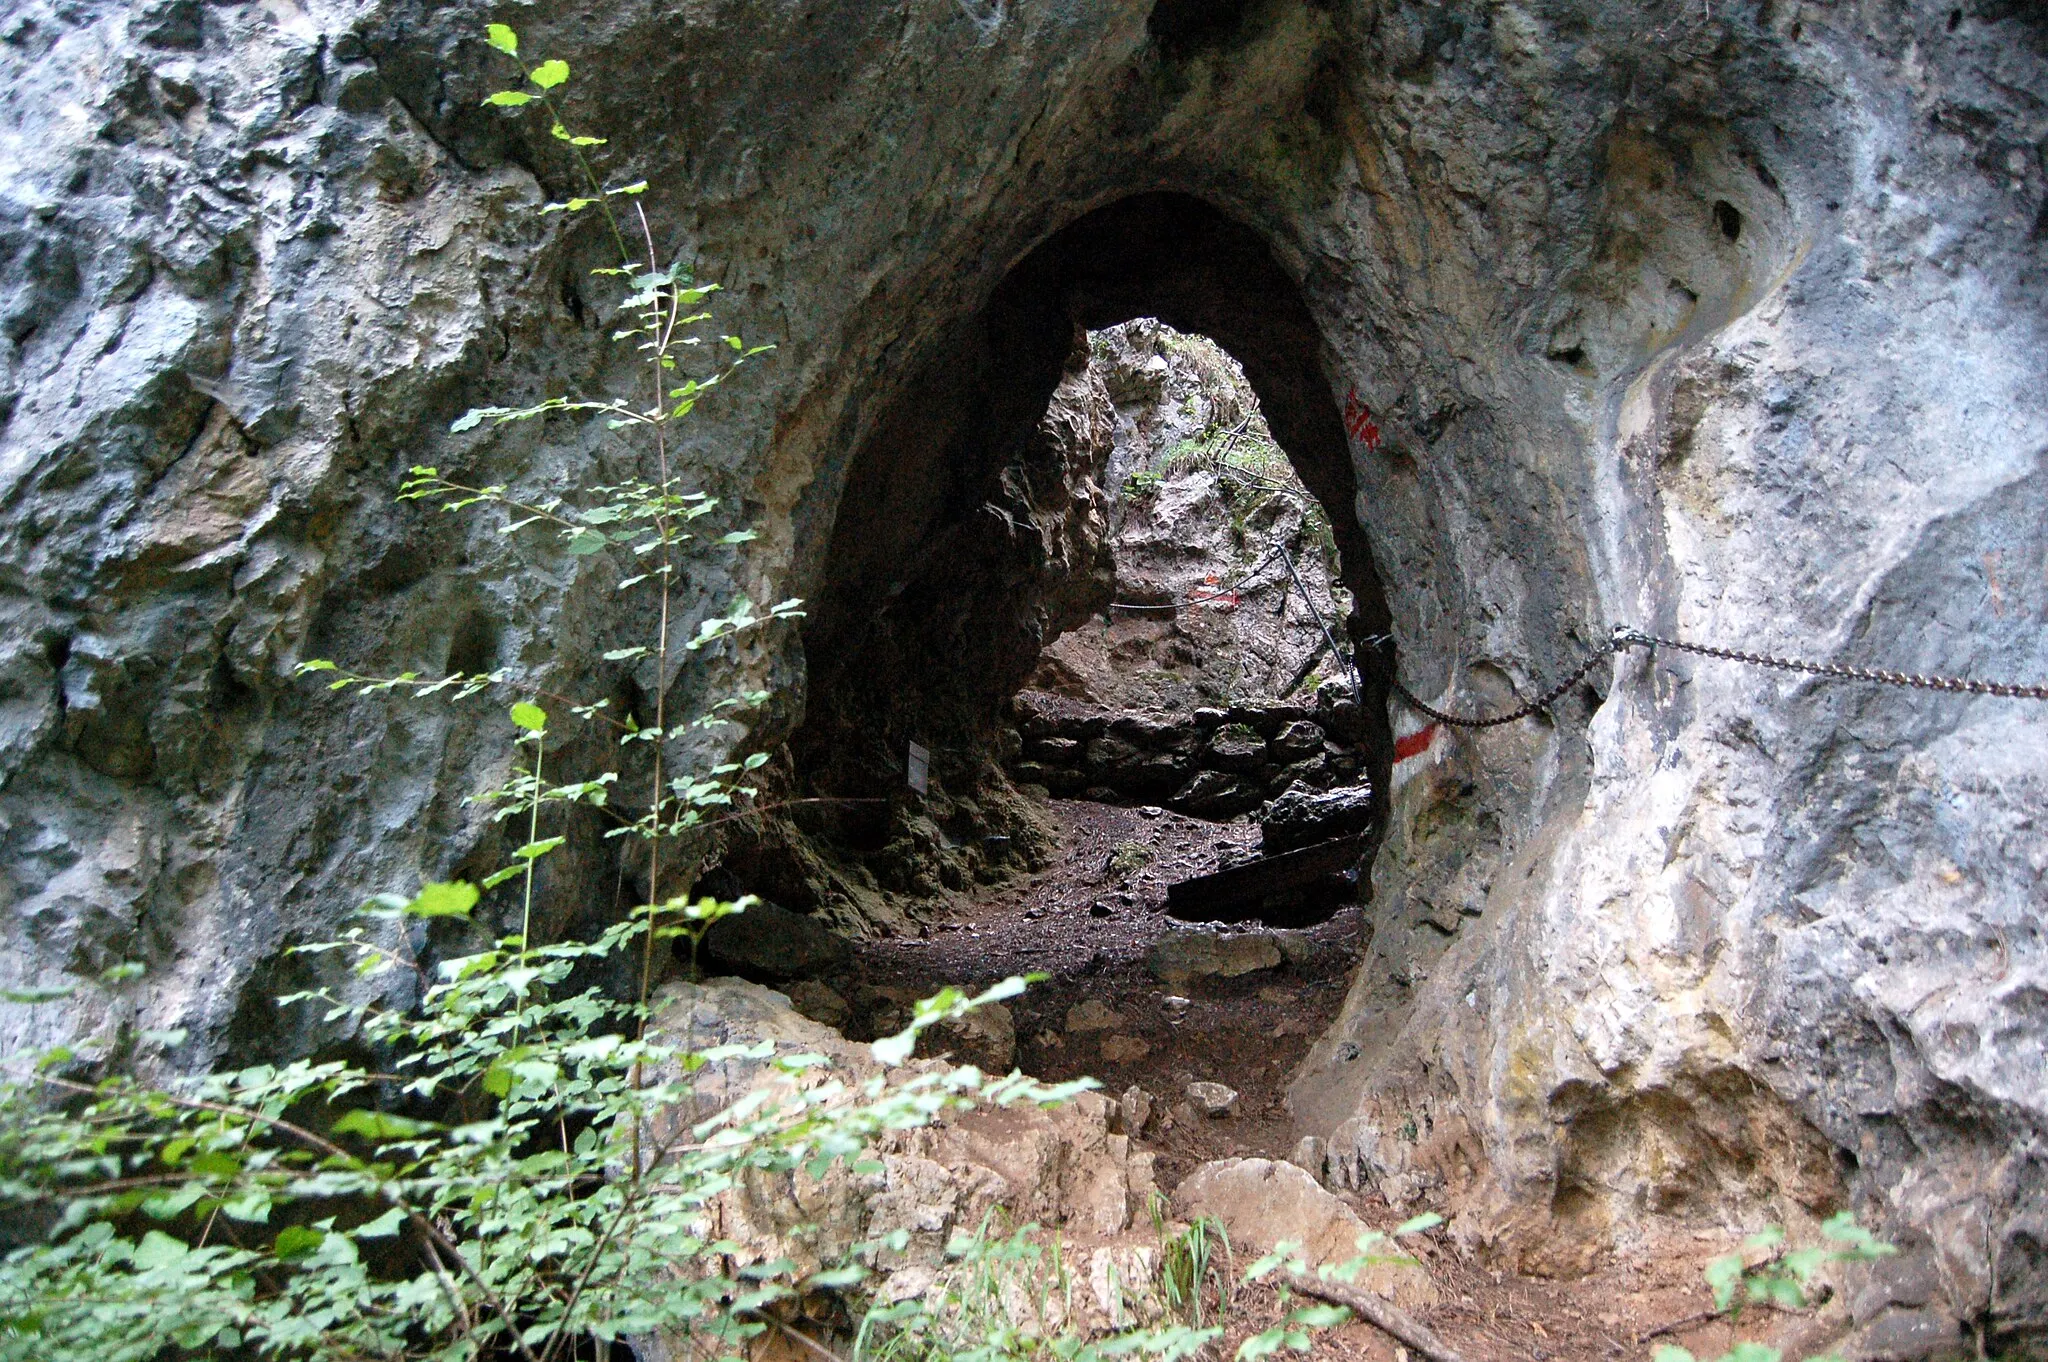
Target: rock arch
918,630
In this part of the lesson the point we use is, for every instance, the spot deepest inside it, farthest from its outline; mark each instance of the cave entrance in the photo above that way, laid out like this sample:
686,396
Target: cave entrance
964,543
1215,682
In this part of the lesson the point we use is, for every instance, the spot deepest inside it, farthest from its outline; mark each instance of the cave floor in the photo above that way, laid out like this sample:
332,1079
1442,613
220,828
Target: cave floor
1089,920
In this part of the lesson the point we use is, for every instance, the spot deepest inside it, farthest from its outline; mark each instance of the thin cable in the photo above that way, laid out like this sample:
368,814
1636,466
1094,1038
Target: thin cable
1357,684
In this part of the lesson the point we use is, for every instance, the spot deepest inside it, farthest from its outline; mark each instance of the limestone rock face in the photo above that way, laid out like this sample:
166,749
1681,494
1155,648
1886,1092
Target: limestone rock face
1723,321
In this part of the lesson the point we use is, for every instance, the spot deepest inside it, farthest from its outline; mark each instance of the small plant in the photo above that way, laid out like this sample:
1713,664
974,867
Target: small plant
1128,858
1142,483
1187,1264
1782,1279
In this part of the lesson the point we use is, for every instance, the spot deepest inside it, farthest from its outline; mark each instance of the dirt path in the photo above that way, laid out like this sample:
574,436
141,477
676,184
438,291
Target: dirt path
1089,922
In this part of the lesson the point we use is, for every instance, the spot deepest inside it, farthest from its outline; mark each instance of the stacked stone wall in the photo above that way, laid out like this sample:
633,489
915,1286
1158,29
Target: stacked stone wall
1211,763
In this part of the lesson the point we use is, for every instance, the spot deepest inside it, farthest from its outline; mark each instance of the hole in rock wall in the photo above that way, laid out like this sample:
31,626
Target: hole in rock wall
976,527
1096,561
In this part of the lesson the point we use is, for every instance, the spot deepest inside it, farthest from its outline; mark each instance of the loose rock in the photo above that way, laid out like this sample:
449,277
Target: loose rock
1212,1099
1261,1203
1184,954
1092,1015
1124,1049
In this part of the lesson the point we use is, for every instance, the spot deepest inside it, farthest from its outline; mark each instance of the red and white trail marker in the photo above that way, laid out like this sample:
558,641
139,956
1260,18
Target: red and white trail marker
1418,744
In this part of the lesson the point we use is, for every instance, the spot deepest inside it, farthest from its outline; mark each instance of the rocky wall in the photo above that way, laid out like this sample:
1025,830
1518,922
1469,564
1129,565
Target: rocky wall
1718,319
1211,763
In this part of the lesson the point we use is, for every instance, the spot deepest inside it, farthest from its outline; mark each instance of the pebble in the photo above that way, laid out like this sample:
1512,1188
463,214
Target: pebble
1124,1049
1092,1015
1212,1099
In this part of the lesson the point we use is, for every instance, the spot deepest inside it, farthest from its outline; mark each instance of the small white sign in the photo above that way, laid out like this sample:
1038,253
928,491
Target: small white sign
920,769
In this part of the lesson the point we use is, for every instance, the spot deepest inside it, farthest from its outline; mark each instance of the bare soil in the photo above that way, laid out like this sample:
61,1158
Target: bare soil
1088,922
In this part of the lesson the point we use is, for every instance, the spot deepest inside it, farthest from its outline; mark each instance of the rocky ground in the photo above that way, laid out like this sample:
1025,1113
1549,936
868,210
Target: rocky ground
1119,1004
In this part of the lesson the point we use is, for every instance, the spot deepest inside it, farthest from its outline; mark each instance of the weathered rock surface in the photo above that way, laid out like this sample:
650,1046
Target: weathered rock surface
1710,319
1301,817
1263,1204
1184,953
1210,763
1062,1168
770,944
1212,1099
1200,496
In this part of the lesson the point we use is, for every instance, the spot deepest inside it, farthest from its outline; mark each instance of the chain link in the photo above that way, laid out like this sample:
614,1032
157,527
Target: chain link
1624,638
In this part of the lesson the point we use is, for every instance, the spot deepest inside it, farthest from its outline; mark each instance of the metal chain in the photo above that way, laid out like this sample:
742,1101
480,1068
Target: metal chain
1954,684
1541,702
1624,638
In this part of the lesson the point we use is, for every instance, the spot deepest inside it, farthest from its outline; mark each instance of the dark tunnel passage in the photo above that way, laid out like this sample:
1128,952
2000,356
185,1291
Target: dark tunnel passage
940,590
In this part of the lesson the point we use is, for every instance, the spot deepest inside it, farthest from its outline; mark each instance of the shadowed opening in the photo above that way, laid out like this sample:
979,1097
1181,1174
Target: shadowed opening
950,567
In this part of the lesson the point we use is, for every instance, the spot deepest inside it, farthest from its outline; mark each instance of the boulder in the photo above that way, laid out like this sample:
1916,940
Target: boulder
1110,755
1185,953
1302,817
1054,751
1121,1049
1262,1203
1067,1168
768,943
1213,794
820,1002
1135,1110
1092,1015
1296,741
1235,747
985,1038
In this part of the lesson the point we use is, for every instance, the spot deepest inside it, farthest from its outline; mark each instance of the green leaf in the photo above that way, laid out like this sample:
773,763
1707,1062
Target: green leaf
836,1278
1427,1221
34,995
1782,1292
1320,1316
383,1227
1751,1352
508,99
1860,1242
533,851
586,541
295,1242
1671,1352
549,73
894,1050
158,1249
503,38
530,717
380,1125
1723,1275
454,899
167,1204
